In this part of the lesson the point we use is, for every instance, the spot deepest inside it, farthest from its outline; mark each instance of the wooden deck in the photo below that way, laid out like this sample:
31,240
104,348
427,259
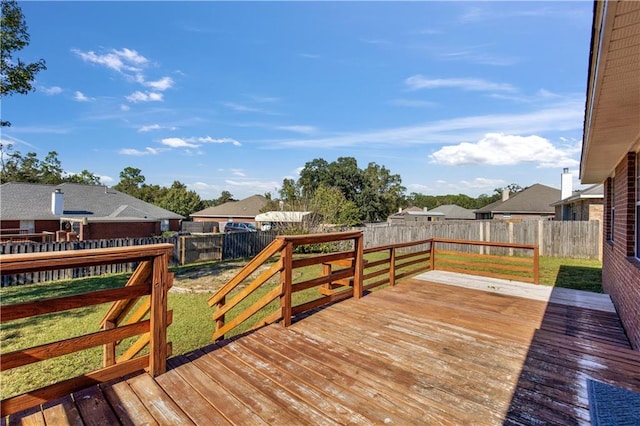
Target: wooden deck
417,353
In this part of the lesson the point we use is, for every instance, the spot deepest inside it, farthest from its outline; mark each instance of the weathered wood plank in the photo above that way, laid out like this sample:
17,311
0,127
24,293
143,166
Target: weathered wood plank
93,407
62,411
126,404
161,407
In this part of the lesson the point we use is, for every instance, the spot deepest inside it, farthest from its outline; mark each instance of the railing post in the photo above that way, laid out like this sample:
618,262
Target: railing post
358,274
392,266
286,278
158,316
536,265
109,349
432,255
220,321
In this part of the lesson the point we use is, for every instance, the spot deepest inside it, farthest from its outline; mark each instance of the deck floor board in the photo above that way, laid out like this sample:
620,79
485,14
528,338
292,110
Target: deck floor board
418,353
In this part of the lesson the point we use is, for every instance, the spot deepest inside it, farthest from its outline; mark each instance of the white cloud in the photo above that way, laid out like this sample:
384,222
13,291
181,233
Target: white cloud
81,97
138,96
309,55
53,90
558,117
238,172
138,153
106,179
474,55
255,185
496,149
298,129
149,128
209,139
163,84
124,107
417,82
240,107
178,143
118,60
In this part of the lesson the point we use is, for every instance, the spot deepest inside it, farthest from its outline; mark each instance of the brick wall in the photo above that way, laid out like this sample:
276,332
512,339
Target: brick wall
108,230
620,269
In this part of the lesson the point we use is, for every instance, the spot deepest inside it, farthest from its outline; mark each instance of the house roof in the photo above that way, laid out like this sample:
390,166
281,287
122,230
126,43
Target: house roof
454,211
283,217
612,110
535,199
416,211
594,192
32,201
247,208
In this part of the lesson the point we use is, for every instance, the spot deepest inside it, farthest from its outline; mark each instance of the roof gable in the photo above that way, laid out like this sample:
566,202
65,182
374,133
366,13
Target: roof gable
535,199
248,207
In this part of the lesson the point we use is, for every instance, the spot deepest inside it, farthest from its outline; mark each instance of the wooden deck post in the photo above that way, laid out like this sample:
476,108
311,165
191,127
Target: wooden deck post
536,265
359,266
109,349
392,266
432,255
220,321
158,316
286,279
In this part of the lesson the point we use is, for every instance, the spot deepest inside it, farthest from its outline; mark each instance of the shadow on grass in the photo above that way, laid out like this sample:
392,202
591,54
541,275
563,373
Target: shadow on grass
580,278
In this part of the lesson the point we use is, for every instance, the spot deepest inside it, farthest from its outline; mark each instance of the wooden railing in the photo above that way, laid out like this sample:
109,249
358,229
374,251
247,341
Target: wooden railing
497,260
350,273
144,293
41,237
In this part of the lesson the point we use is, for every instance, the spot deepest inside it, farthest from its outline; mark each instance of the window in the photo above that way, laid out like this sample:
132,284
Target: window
164,225
29,225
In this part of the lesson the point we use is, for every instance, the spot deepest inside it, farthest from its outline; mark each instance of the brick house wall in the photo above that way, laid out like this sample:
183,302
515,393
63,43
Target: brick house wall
621,269
108,230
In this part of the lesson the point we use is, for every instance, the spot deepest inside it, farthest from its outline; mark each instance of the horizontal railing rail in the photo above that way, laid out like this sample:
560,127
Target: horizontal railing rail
511,261
139,309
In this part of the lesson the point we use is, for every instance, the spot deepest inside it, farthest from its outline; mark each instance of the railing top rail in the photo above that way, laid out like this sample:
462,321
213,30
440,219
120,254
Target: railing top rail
319,238
30,262
485,243
397,245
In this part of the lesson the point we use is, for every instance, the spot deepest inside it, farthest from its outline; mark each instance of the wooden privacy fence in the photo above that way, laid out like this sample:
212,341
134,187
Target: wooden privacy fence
269,289
145,294
576,239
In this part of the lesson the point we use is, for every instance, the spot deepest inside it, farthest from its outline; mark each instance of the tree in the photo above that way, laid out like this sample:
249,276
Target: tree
29,168
16,76
85,177
131,181
179,199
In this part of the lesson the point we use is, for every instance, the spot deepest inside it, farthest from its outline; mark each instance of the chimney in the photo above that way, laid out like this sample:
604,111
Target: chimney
505,194
566,184
57,202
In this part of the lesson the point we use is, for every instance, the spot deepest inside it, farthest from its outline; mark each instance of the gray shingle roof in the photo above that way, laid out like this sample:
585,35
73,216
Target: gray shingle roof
454,211
249,207
535,199
593,192
30,201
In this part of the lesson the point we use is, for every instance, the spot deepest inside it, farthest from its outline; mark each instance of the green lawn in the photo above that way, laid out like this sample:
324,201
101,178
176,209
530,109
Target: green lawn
192,323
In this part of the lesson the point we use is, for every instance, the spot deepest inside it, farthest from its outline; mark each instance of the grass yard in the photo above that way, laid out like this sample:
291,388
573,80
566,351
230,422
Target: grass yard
192,323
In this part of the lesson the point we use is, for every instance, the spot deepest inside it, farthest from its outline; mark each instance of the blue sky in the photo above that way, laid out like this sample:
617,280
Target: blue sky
455,97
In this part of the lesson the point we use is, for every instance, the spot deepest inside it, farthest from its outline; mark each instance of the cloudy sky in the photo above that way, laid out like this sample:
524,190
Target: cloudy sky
455,97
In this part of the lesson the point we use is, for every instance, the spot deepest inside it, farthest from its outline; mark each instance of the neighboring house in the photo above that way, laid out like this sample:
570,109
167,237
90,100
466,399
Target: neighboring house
91,212
414,215
578,205
611,151
279,219
244,210
454,212
532,203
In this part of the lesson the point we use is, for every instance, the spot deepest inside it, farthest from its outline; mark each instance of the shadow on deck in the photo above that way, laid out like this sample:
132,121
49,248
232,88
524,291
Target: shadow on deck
437,349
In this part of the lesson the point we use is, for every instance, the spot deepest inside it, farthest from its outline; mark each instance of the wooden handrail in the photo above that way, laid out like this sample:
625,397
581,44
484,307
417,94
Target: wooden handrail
151,280
353,275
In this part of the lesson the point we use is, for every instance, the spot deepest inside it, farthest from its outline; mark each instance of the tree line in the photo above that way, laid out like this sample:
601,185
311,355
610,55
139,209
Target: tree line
339,192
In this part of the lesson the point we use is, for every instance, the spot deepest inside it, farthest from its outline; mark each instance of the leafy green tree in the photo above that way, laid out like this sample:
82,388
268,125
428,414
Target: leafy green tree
29,168
16,76
290,192
85,177
131,181
179,199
